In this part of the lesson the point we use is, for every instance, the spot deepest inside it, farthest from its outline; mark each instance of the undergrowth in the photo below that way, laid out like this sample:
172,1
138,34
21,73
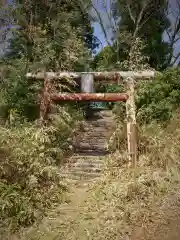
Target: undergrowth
124,197
30,180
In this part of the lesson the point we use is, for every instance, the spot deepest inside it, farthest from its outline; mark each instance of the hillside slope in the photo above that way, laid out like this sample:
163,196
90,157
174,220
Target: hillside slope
121,203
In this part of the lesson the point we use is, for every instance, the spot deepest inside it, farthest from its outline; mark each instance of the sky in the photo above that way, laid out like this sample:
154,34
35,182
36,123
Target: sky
99,34
103,7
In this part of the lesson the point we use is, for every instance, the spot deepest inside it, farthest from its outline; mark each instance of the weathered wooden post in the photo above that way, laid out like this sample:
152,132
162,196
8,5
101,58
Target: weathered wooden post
131,122
45,100
87,86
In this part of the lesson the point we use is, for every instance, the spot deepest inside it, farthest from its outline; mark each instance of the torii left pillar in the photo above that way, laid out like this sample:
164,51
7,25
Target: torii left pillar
45,100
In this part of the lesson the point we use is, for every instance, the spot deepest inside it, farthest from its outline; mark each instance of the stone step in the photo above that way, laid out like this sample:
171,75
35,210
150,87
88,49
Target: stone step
103,119
75,181
106,113
80,175
84,166
91,147
100,117
93,153
86,169
101,129
91,142
96,135
109,121
87,158
95,138
85,175
88,165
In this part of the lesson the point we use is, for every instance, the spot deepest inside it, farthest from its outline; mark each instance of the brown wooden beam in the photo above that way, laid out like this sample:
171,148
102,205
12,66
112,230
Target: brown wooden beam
112,76
102,97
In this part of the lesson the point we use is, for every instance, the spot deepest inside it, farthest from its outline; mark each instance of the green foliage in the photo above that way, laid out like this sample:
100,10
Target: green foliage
17,92
30,178
132,20
51,36
104,60
136,61
30,158
147,20
15,206
158,98
111,88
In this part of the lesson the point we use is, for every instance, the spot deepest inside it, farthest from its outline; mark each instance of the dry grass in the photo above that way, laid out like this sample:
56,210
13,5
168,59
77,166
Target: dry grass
124,198
30,177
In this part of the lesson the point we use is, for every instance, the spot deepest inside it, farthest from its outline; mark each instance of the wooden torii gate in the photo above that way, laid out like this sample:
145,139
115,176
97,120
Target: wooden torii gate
128,77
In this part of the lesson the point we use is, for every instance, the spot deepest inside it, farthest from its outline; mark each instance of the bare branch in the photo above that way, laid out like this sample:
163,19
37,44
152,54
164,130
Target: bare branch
130,14
110,18
101,24
175,59
173,31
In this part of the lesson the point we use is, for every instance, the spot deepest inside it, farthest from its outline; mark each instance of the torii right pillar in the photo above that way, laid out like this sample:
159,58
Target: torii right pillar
131,122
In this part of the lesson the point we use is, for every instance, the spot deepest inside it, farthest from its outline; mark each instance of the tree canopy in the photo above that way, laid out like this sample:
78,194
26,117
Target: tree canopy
144,19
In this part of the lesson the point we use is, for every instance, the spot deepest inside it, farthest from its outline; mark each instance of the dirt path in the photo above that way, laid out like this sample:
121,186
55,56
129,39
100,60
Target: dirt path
165,223
85,167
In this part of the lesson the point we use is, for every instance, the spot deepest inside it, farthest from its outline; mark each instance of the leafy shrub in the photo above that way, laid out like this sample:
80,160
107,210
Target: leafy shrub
30,177
158,99
17,91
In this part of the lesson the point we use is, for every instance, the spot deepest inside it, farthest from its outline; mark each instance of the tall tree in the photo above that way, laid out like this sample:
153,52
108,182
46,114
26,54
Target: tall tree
50,36
146,19
5,22
56,34
129,20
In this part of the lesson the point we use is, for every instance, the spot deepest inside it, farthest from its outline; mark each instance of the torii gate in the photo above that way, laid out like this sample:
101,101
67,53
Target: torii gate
89,77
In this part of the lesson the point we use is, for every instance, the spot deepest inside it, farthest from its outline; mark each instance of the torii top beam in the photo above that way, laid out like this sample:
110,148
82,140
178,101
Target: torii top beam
103,76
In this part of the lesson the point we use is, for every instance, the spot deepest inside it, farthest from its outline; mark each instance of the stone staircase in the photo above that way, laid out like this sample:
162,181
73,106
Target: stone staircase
90,149
83,168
